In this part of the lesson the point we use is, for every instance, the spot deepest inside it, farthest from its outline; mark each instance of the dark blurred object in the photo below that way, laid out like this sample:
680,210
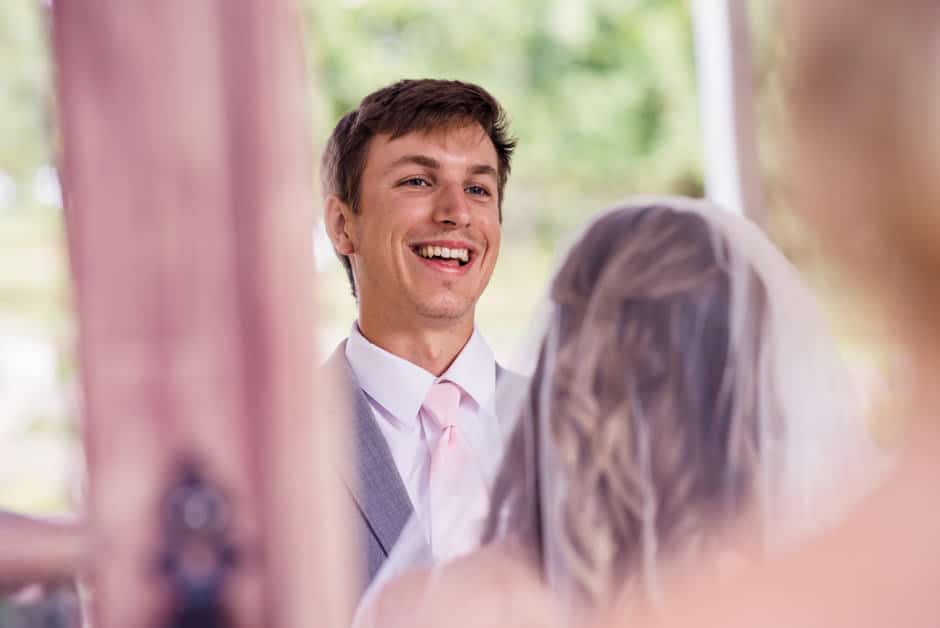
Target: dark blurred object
198,555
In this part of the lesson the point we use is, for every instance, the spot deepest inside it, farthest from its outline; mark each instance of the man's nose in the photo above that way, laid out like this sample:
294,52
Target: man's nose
452,207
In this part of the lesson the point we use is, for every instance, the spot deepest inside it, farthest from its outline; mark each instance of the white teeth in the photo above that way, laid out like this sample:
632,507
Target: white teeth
444,252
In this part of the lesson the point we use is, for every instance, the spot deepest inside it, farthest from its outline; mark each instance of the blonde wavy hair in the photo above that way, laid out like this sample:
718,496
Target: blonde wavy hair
647,426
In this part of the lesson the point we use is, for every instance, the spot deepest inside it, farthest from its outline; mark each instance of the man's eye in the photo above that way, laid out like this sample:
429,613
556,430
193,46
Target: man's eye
478,190
416,182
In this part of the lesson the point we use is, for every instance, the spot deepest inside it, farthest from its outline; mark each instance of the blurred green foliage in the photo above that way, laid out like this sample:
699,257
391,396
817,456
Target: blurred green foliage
25,79
601,93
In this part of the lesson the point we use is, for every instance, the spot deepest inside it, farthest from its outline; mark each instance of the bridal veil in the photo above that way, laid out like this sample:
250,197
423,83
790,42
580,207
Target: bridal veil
685,388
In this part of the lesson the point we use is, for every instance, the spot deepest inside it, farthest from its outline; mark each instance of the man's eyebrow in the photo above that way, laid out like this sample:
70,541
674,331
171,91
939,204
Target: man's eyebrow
483,169
433,164
418,160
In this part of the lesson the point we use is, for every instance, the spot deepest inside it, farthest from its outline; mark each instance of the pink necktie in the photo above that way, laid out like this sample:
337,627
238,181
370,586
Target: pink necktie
458,494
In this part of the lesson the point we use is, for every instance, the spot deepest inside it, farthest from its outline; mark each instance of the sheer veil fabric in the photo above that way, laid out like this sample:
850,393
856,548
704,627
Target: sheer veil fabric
684,384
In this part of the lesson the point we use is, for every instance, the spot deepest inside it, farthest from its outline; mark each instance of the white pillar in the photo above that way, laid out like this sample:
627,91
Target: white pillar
722,51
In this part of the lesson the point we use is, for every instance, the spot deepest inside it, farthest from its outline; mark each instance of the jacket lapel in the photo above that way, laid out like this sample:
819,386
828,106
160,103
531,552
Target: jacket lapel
373,481
377,488
510,390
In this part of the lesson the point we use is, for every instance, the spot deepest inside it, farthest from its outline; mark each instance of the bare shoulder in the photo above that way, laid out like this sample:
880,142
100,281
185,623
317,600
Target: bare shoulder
495,586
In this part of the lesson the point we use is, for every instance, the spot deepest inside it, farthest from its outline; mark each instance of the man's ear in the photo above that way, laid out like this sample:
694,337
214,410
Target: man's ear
337,217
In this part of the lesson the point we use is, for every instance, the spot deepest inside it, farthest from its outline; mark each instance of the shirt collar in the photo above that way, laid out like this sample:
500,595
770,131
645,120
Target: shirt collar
395,383
401,387
474,370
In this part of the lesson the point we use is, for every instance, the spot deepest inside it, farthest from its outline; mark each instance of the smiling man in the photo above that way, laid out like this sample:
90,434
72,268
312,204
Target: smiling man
414,181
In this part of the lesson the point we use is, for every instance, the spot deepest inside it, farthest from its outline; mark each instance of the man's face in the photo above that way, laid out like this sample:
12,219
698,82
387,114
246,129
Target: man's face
426,237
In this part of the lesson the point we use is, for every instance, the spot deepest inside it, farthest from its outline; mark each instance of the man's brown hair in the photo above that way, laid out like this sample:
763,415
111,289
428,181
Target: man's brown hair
405,107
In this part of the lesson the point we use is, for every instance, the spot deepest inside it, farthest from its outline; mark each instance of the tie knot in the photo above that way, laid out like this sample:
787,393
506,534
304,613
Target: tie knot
442,402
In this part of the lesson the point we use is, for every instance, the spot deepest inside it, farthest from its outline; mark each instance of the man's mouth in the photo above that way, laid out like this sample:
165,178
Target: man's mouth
456,257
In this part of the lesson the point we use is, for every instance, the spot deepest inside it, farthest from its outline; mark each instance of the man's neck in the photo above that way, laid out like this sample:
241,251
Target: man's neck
433,347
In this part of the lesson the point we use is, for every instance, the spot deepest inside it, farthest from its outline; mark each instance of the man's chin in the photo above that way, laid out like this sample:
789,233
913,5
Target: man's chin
445,309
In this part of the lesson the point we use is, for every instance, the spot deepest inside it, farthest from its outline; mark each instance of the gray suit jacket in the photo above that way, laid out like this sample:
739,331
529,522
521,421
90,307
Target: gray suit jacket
373,483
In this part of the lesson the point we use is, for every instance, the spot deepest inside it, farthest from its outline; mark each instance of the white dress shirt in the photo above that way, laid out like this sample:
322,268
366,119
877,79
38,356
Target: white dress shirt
396,389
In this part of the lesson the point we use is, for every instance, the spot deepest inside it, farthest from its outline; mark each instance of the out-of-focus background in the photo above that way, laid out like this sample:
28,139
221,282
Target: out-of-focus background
602,96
